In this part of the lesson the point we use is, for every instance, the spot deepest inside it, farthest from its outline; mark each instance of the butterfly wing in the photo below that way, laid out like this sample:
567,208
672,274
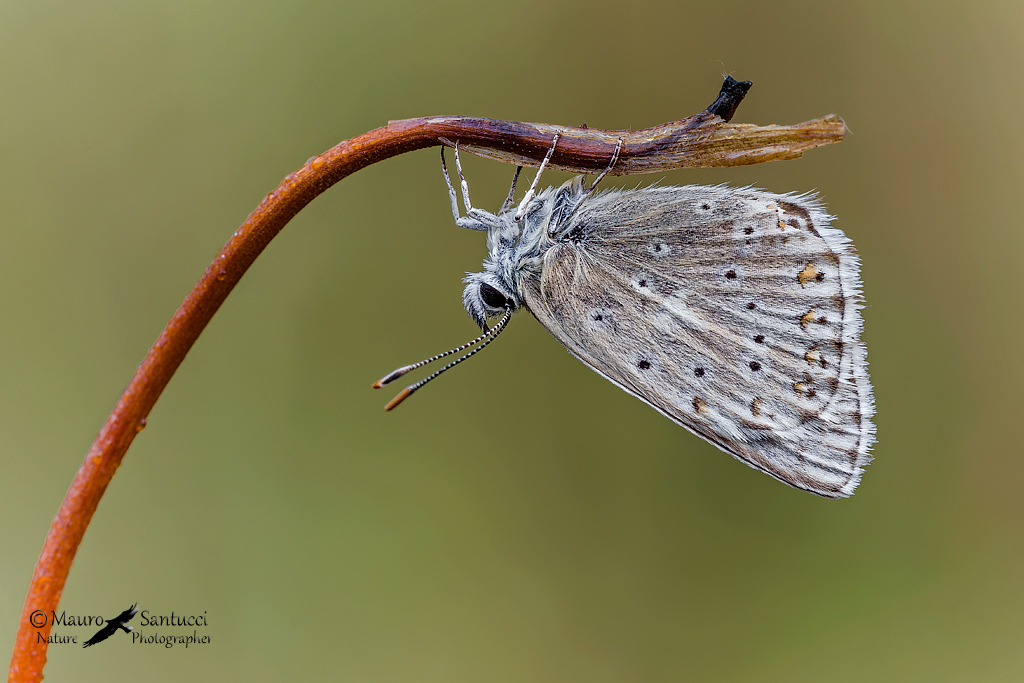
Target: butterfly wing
734,312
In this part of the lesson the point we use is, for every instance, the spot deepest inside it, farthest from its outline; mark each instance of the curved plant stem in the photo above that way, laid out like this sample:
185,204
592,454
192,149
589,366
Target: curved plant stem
705,139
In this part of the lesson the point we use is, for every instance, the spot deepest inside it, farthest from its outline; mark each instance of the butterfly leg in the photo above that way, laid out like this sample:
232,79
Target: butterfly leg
480,215
586,193
521,211
475,219
507,205
615,157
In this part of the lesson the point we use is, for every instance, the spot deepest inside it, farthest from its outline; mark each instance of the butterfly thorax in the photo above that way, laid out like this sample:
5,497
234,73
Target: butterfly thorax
517,250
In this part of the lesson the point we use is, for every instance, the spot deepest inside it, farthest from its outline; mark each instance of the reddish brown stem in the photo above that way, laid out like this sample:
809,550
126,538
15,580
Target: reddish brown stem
705,139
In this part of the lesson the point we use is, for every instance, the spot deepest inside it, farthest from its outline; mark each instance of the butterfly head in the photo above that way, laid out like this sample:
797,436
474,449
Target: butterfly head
487,295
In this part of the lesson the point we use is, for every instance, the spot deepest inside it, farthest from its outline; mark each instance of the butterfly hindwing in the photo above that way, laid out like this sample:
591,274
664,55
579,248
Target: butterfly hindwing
735,312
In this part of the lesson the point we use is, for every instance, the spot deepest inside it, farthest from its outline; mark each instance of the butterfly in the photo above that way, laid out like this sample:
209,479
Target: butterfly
734,312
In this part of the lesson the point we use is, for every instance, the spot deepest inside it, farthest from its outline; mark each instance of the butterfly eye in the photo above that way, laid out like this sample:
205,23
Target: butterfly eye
492,298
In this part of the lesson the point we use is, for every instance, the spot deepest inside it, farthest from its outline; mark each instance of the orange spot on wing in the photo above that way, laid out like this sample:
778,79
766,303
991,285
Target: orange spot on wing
807,274
813,357
807,318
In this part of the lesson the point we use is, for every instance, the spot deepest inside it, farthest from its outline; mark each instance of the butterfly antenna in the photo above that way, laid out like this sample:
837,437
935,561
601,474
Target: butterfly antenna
484,339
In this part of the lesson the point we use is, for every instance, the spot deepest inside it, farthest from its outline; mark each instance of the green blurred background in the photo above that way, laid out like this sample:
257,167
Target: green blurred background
522,519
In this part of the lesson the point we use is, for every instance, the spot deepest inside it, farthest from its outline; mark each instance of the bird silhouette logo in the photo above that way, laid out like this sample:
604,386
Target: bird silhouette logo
118,622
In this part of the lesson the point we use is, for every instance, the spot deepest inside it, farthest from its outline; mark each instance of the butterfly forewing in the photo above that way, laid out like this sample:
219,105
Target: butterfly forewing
733,312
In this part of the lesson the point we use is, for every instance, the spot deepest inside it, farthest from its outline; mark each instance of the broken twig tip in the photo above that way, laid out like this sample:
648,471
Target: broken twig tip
729,98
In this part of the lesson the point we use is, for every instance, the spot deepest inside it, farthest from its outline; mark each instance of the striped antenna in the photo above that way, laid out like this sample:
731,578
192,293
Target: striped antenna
484,339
